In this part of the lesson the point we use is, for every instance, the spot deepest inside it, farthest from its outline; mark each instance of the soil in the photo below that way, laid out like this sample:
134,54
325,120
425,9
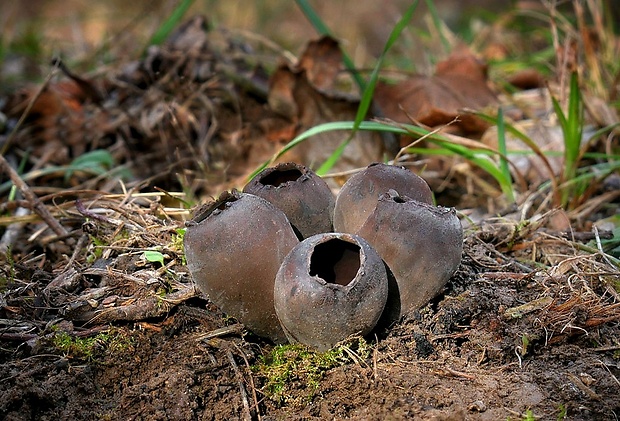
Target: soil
474,353
103,322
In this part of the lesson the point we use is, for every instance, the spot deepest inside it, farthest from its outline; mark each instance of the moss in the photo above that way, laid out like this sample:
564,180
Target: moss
92,348
290,367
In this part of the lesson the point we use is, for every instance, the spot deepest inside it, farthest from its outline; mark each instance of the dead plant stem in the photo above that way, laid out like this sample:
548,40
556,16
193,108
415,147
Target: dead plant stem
37,206
247,415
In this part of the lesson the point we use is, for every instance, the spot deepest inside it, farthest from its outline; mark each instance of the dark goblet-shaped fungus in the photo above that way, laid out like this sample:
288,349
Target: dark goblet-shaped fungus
329,287
302,195
421,244
358,197
234,247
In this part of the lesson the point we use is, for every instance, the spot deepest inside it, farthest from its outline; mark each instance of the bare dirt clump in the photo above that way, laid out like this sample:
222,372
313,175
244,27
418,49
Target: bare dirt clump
100,319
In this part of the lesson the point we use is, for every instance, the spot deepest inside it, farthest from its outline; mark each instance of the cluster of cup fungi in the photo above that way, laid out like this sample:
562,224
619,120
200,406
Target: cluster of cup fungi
294,264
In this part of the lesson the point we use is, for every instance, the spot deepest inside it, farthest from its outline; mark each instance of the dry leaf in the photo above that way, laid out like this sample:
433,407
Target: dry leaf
460,82
322,61
527,79
305,96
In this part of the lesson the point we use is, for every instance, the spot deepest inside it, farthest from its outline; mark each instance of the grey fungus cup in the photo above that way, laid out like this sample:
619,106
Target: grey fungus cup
303,196
358,196
421,244
329,287
267,256
234,247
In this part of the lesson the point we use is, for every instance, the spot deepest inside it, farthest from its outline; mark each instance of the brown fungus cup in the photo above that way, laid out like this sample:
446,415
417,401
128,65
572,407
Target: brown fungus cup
422,245
302,195
329,287
358,197
234,247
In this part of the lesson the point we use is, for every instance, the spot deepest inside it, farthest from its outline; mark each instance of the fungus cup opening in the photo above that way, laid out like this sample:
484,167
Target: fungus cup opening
213,208
336,261
278,177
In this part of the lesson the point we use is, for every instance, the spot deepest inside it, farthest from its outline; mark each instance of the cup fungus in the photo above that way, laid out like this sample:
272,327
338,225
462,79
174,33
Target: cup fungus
358,197
329,287
234,247
421,244
302,195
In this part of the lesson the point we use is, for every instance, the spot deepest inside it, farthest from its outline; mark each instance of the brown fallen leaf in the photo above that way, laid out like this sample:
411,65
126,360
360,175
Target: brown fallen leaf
527,79
322,61
54,121
459,82
305,94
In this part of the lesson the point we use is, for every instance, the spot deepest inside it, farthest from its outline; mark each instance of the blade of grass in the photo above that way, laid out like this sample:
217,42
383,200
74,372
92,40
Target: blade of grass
481,161
321,128
477,156
571,124
525,139
322,29
438,25
503,163
573,136
369,91
170,23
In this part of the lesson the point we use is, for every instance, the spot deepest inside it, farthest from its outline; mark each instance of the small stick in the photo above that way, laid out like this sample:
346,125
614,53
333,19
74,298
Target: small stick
22,118
247,364
244,395
581,386
222,331
375,352
37,206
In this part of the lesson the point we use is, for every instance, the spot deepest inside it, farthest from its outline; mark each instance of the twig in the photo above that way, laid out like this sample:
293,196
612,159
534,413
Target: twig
76,252
599,246
79,206
375,353
456,373
222,331
606,348
247,415
581,386
22,118
21,337
429,134
37,206
153,306
12,231
247,364
609,371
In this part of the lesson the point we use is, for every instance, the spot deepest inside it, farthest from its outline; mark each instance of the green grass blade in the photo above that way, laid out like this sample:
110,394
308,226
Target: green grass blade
571,124
321,128
503,162
369,91
333,158
171,23
574,128
559,113
602,131
374,77
481,160
438,25
322,29
477,157
525,139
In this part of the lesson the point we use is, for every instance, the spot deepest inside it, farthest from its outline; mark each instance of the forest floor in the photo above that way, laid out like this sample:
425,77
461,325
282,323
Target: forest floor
100,318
